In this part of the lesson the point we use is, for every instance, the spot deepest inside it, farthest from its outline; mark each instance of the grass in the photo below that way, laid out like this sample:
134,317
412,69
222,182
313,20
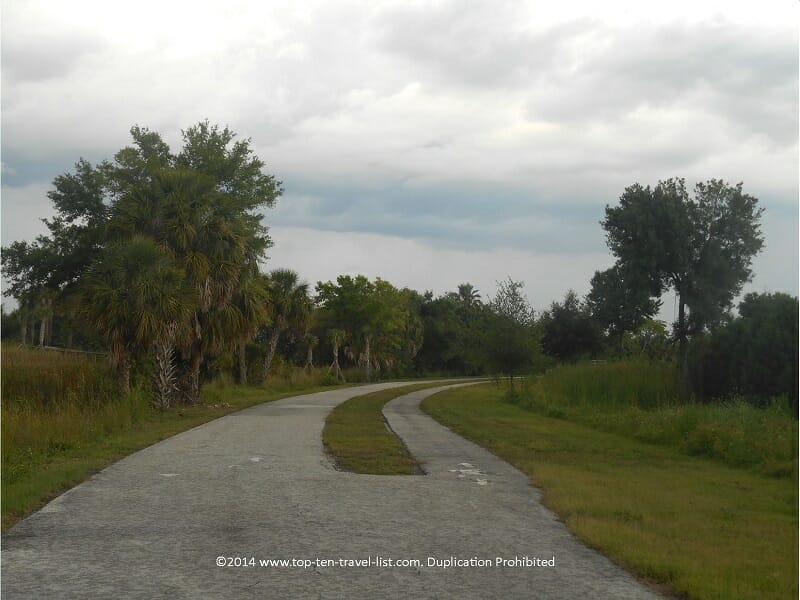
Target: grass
702,528
62,421
358,440
638,398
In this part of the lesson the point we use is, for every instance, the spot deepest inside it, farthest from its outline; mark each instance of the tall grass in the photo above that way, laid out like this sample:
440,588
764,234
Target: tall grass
639,399
53,402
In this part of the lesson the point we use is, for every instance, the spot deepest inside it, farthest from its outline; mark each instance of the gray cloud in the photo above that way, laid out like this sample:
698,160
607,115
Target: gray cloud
31,57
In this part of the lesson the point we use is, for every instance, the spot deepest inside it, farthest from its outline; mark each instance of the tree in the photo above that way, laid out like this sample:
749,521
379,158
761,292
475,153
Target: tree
336,338
381,322
512,303
754,355
509,338
700,247
135,296
252,304
568,330
468,296
290,306
201,206
618,304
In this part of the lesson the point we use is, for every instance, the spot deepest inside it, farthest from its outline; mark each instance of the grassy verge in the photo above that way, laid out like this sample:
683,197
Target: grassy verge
639,399
35,474
357,439
702,528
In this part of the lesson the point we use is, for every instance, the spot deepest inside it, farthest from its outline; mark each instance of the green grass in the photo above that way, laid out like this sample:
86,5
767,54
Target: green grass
638,398
702,528
62,421
357,438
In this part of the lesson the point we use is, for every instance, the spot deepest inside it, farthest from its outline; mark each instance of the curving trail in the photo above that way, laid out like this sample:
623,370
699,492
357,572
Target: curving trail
257,484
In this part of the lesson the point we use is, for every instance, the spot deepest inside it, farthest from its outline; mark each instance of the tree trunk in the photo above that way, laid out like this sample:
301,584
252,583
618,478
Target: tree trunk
124,377
164,386
367,339
24,331
49,334
190,377
194,379
273,345
310,358
242,349
69,339
683,358
335,364
42,331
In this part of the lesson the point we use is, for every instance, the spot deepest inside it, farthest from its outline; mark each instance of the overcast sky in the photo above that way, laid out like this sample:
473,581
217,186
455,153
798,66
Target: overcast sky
428,143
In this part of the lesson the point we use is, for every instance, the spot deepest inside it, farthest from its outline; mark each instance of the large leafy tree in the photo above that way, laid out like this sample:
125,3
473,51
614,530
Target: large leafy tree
201,205
701,247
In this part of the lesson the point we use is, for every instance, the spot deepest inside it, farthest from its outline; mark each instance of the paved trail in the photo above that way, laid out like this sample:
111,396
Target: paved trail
256,484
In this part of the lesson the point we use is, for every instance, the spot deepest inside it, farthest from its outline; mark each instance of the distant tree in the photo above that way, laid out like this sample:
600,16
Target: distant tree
650,339
618,304
701,247
568,330
509,338
754,355
468,296
511,302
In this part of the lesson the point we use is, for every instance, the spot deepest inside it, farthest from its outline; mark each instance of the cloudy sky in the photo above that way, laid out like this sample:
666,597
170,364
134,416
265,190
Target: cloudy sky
429,143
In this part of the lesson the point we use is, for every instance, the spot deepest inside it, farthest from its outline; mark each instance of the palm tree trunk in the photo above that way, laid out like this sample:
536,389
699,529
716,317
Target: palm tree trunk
310,358
367,339
242,361
337,371
124,376
164,386
273,345
189,385
683,348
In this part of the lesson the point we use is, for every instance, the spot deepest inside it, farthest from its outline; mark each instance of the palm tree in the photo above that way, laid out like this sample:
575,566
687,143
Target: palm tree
468,295
336,338
311,342
291,308
251,300
135,296
212,241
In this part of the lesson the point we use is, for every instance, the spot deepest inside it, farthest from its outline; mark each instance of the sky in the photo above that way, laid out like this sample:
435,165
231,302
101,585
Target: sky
426,143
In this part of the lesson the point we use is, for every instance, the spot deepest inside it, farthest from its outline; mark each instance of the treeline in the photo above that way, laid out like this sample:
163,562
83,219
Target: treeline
155,257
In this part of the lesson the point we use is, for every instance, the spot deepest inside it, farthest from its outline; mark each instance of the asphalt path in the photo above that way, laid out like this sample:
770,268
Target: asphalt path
256,486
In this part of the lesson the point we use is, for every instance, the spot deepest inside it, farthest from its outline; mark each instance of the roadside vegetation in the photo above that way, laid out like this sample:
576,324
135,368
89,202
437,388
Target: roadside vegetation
700,527
639,398
358,440
62,420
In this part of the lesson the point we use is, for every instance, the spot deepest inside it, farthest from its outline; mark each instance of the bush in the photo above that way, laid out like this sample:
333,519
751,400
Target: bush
754,356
